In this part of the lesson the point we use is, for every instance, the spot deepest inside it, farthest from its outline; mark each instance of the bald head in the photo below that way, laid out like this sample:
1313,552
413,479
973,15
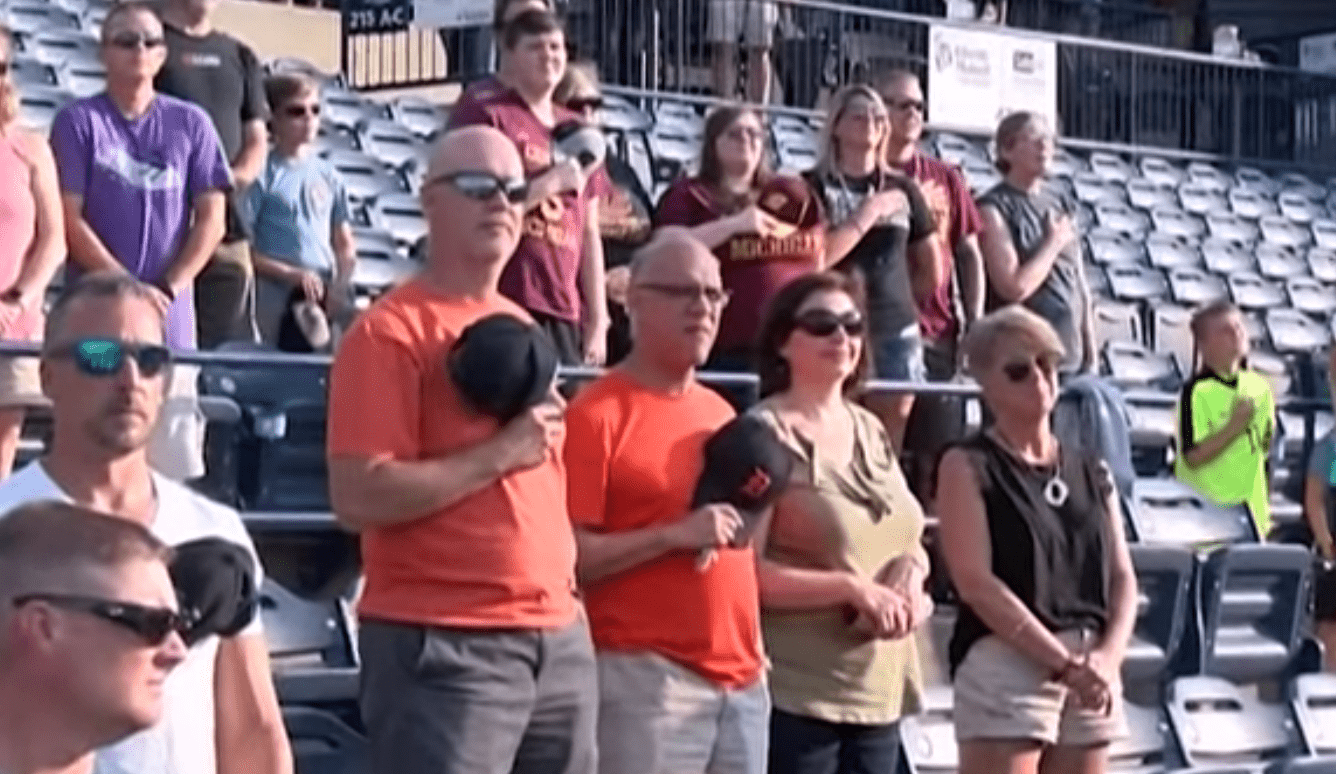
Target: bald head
471,221
672,254
475,149
675,299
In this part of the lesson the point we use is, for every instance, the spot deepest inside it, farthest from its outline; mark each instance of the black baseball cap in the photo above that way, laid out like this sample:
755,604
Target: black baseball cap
503,365
215,587
746,466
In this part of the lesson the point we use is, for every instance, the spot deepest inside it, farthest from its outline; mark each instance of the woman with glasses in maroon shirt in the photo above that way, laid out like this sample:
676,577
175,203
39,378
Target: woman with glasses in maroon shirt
765,228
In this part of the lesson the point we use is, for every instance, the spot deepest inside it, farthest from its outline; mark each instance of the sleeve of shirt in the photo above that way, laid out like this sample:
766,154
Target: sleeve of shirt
71,145
340,213
922,224
254,106
209,170
968,222
586,458
675,207
374,397
470,112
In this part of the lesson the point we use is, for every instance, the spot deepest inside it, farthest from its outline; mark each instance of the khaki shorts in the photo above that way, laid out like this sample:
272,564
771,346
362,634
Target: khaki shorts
1002,694
21,383
176,448
751,20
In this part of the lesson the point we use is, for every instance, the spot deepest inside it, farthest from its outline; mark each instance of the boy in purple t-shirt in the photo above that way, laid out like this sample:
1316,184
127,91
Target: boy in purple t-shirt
143,182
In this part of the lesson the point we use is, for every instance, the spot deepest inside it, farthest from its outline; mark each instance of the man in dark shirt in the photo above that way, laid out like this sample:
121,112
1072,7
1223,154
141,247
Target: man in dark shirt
222,75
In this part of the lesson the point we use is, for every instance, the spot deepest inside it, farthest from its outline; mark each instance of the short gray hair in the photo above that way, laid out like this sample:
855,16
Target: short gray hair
1009,322
100,284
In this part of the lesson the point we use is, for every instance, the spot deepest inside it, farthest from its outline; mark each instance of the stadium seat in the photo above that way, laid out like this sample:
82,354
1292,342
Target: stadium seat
1120,217
1303,185
1276,262
29,71
401,215
1250,204
955,149
1254,179
1108,245
1226,256
680,115
1177,223
365,177
381,262
348,108
83,78
1220,728
1322,263
292,64
332,137
1166,511
57,46
928,739
1093,189
1065,163
312,648
1161,171
1116,322
1164,580
1148,195
38,105
37,16
1132,365
1298,207
1204,174
324,744
391,143
1275,368
1153,425
1254,600
1171,333
1200,199
419,116
673,151
1324,234
1309,295
1291,330
980,175
1111,167
1278,230
1166,251
1191,286
1313,701
1143,749
1134,282
1232,227
1250,291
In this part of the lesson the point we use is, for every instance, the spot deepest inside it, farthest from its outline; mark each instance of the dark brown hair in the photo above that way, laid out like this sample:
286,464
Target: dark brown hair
501,9
711,167
530,23
777,324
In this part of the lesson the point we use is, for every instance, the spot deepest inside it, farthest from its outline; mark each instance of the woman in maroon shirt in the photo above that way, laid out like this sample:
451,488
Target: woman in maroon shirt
765,228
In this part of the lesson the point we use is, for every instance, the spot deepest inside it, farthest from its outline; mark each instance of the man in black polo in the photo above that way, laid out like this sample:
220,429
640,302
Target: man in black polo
222,75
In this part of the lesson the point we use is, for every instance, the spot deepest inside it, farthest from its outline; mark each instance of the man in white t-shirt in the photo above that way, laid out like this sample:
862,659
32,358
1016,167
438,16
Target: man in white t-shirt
104,368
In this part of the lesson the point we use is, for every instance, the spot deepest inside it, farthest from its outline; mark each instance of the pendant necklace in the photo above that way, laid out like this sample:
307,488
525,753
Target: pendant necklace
1055,489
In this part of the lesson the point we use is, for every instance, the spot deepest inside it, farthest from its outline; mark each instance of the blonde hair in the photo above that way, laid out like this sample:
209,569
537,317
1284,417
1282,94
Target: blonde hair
985,336
580,79
830,150
9,93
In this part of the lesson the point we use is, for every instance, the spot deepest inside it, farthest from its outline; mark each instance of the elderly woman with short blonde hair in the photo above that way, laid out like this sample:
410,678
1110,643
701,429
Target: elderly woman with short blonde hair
1033,541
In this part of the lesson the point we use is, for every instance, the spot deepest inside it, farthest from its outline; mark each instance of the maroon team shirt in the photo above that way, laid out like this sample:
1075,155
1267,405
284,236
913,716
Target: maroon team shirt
543,274
753,267
953,208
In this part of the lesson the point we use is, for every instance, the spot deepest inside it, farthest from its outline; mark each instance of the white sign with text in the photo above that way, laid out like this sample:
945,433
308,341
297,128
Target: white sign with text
453,13
975,77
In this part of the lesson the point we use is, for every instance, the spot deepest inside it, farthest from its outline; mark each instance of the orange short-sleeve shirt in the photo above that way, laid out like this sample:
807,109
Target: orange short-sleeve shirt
503,557
633,456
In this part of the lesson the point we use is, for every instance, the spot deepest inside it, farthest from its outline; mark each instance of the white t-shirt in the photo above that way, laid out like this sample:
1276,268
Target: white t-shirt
183,742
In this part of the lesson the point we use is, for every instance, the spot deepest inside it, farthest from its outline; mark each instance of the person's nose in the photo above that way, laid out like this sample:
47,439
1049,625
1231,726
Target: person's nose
172,651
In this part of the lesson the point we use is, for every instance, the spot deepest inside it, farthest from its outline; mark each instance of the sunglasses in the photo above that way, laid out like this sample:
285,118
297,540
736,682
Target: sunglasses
131,40
152,624
105,357
581,104
297,111
822,323
482,186
915,105
689,293
1019,371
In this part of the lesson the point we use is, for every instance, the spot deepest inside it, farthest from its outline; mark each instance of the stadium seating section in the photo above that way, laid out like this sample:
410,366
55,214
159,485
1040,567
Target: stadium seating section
1221,675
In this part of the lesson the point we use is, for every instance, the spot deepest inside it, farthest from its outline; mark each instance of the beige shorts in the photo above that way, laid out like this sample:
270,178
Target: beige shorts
21,383
751,20
176,449
1002,694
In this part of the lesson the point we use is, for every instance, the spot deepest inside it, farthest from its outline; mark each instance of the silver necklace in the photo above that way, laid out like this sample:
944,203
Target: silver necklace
1055,489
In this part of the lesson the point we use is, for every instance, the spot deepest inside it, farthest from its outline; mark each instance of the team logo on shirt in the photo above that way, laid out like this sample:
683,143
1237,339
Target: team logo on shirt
775,201
139,174
318,196
201,59
535,155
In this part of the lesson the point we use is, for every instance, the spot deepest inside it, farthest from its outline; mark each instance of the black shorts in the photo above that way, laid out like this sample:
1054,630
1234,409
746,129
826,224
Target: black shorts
1324,593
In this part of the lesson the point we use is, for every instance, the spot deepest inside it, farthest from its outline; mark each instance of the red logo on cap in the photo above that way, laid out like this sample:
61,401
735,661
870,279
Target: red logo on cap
757,483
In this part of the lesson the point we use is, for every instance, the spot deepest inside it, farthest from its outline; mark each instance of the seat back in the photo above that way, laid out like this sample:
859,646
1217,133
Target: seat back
302,632
1322,261
1164,579
1313,700
1132,365
1145,747
1170,252
1116,321
1254,605
1133,282
1214,723
1192,286
1171,332
1276,262
928,739
1293,331
1166,511
324,744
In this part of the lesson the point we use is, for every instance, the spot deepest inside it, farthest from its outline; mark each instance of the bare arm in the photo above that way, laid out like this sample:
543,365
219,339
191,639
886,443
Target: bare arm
86,248
1012,281
1315,511
273,268
967,548
1123,596
345,253
206,231
973,282
1213,445
248,727
593,287
718,231
842,239
250,159
604,554
47,250
783,587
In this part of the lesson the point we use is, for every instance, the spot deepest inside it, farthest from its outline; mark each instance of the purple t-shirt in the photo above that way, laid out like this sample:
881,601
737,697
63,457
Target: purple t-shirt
139,180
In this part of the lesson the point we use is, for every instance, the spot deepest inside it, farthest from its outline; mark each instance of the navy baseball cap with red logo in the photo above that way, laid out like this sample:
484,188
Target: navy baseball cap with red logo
746,466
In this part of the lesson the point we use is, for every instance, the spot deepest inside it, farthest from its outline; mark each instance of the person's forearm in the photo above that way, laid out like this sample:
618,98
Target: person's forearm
927,272
40,264
1315,509
602,555
716,232
382,492
969,264
1122,616
1212,446
842,239
201,241
248,163
86,248
1007,617
274,269
264,750
783,587
593,279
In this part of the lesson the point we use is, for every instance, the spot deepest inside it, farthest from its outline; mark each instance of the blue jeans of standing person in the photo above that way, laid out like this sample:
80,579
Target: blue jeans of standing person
804,745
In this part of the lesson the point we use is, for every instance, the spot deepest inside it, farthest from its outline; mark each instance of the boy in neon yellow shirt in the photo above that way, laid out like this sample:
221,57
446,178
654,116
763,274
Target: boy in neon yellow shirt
1226,418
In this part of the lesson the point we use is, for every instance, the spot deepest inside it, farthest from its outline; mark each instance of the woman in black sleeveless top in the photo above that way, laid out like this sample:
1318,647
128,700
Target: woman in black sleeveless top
1034,544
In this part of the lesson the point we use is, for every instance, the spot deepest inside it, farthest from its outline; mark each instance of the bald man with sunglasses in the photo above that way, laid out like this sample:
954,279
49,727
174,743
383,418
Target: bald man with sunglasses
105,369
89,632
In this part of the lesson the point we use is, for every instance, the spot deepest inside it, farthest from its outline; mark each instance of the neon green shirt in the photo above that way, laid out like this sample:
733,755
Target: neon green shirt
1238,474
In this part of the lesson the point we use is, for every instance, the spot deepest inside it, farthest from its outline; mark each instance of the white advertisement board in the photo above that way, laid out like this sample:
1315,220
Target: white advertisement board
975,77
452,13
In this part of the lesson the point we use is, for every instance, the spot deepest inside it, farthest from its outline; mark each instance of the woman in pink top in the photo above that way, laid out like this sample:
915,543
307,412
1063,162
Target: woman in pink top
31,249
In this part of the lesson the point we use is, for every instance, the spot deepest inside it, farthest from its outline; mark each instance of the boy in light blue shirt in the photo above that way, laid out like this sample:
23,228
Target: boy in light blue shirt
298,212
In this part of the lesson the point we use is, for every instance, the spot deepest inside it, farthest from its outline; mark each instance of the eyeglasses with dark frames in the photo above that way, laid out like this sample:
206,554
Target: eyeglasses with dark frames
714,296
133,40
823,322
482,186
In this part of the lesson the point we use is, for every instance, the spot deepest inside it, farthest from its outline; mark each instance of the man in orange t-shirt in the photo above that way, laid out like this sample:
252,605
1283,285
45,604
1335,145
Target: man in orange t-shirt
681,672
476,658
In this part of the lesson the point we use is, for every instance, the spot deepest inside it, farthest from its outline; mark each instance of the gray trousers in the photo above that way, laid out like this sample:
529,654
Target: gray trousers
455,701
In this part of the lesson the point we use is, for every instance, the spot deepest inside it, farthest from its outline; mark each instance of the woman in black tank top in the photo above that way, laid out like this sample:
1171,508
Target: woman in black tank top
1034,544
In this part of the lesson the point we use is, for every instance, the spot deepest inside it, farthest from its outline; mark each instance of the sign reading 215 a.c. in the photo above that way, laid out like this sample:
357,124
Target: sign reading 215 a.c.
376,15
